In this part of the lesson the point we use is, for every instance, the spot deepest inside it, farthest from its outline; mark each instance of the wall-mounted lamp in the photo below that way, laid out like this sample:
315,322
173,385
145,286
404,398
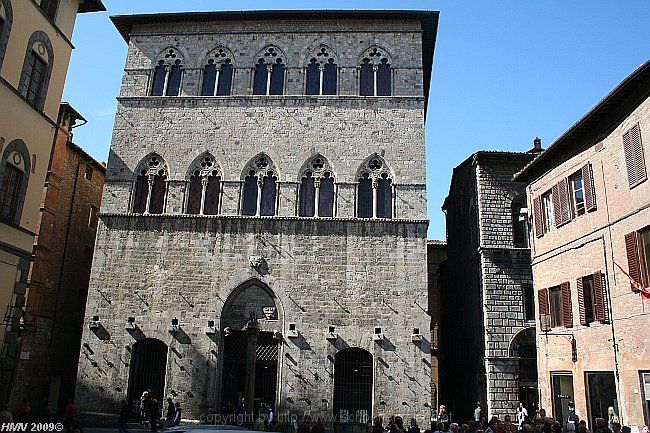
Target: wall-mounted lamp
94,323
174,328
331,333
210,329
293,332
378,334
277,335
130,323
416,337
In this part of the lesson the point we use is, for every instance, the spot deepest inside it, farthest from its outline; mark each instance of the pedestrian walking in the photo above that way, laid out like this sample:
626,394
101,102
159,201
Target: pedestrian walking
378,426
177,415
612,418
492,425
68,415
522,414
154,414
171,411
443,417
124,417
478,412
413,426
145,402
508,426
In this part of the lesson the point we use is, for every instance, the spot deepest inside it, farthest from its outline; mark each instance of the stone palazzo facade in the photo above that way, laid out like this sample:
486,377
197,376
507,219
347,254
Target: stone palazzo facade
262,235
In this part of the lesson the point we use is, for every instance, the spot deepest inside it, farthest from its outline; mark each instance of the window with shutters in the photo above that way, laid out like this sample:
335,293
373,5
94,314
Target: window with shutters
375,189
316,189
259,187
637,245
268,76
547,211
375,75
558,305
592,298
204,186
217,73
37,69
88,172
14,177
321,72
167,73
577,193
634,157
561,203
150,186
6,21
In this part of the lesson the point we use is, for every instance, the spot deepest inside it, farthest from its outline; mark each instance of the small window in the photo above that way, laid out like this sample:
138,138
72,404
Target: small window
269,73
529,302
92,217
88,173
547,211
375,76
577,193
88,256
519,223
559,306
49,8
168,74
217,74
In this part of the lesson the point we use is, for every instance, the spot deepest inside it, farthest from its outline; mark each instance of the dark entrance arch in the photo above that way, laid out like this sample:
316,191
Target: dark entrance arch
353,376
250,349
147,372
523,348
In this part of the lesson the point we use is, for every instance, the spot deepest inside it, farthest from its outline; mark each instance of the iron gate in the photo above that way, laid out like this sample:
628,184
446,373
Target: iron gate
352,390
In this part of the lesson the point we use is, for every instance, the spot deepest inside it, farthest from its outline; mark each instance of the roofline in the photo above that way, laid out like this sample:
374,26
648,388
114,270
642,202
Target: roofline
427,18
529,172
91,6
75,147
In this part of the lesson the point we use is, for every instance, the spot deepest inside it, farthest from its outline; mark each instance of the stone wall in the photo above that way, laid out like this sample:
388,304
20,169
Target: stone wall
355,275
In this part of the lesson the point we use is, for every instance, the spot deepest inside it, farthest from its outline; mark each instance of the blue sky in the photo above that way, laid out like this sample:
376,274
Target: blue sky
504,72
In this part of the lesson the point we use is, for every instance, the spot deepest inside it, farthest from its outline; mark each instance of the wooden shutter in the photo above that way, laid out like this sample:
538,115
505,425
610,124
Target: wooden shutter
563,187
581,301
557,206
599,297
588,186
634,159
537,214
567,313
633,262
542,301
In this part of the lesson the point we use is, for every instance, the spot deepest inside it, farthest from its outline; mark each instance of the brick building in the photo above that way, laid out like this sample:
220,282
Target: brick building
436,256
487,333
591,199
262,236
58,283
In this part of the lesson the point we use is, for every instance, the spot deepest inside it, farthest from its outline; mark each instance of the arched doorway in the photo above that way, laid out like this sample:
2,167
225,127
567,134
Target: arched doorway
147,372
524,349
353,376
249,373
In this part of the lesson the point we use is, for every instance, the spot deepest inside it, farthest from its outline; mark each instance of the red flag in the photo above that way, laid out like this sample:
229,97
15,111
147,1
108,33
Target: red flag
645,292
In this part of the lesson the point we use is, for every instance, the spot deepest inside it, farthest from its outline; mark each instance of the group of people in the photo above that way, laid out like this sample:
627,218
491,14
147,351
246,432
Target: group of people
538,423
151,413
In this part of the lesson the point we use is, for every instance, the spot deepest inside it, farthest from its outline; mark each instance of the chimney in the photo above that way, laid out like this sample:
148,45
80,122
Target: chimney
537,146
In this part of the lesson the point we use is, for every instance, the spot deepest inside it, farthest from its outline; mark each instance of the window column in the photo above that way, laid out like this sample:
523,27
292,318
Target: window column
204,185
317,187
260,183
374,194
150,182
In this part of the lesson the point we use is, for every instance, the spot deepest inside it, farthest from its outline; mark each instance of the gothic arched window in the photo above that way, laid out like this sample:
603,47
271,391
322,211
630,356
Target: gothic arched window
204,187
217,73
375,190
269,73
321,73
167,74
260,187
316,189
150,186
14,175
375,78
